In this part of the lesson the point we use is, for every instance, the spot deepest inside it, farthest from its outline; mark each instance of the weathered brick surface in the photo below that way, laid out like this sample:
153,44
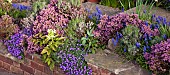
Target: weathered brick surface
16,64
38,60
47,70
37,66
16,70
44,73
37,72
6,66
1,64
7,60
26,73
27,69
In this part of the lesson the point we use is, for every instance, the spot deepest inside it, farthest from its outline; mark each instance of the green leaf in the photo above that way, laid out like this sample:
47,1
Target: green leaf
84,42
93,51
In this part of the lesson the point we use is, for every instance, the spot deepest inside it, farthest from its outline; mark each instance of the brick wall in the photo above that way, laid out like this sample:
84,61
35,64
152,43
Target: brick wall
31,65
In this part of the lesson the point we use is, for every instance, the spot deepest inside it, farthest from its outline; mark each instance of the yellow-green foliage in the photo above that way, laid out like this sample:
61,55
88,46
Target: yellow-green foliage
50,43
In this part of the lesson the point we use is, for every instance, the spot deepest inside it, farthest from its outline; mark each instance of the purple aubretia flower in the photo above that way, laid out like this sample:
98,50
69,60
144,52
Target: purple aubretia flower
14,45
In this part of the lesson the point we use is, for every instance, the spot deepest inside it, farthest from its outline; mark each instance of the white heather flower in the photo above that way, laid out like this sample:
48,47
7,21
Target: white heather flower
156,0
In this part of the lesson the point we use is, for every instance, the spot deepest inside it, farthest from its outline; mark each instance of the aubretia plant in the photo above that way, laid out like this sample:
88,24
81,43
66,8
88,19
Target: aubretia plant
158,58
50,43
15,45
72,57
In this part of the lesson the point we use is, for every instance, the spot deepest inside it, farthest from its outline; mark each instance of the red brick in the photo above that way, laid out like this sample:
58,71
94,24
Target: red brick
93,67
29,56
38,60
37,72
16,64
37,66
16,70
104,71
27,62
6,66
47,70
27,68
44,73
4,59
26,73
1,63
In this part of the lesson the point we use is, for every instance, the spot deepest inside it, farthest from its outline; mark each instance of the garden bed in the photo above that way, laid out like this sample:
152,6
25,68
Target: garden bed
73,40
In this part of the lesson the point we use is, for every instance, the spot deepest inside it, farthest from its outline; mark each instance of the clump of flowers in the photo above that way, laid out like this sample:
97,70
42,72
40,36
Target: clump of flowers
15,45
55,16
72,59
20,7
158,58
110,24
7,26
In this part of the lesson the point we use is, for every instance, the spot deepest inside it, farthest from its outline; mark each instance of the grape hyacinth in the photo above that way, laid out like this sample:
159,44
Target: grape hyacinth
158,58
15,45
20,7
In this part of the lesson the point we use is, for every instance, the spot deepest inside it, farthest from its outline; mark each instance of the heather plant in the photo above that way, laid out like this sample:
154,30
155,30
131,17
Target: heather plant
50,44
158,58
72,58
7,26
109,25
56,16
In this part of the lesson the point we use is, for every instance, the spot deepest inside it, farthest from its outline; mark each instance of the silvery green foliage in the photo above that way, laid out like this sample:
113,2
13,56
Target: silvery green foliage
130,37
40,4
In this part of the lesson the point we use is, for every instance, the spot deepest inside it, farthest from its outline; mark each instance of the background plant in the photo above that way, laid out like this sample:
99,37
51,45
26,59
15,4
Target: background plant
7,26
126,4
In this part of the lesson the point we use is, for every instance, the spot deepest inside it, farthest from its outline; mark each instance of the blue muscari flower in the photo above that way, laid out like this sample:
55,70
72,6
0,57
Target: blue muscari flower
90,17
87,10
114,42
98,10
144,49
20,7
164,21
123,10
146,23
124,24
124,50
138,45
144,11
164,36
148,47
156,26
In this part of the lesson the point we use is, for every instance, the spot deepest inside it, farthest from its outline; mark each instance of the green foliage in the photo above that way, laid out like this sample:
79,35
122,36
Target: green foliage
40,4
126,4
76,3
50,43
164,30
90,42
73,29
7,9
146,13
130,37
